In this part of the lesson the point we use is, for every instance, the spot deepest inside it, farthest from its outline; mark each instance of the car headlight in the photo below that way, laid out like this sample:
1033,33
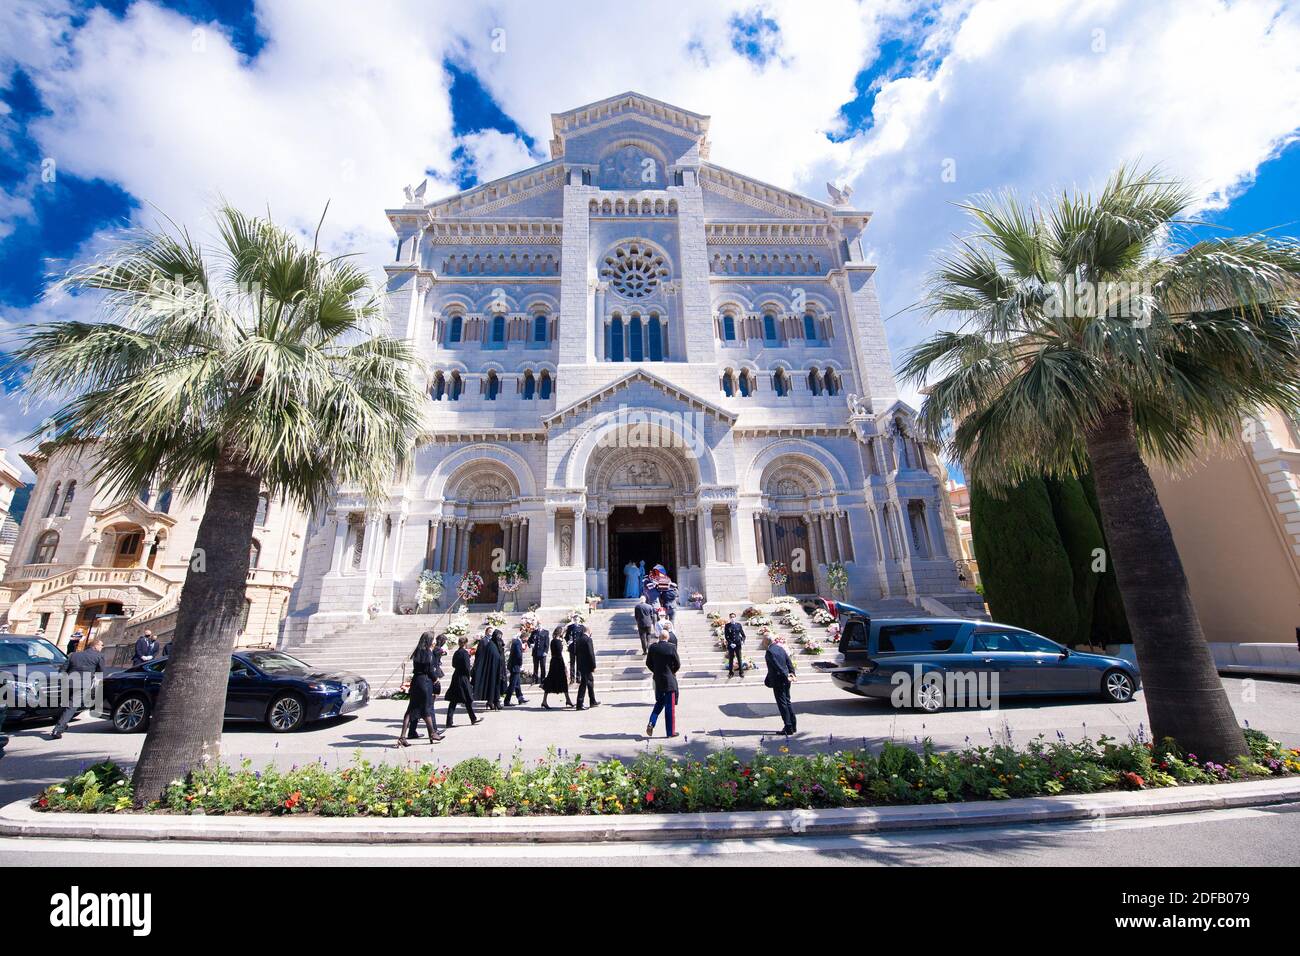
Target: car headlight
319,687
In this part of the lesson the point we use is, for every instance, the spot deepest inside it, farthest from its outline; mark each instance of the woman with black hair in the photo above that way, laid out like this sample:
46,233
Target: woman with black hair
460,690
419,706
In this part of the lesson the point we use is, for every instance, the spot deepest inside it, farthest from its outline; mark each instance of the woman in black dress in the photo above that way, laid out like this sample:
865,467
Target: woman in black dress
557,678
460,691
419,704
439,652
503,680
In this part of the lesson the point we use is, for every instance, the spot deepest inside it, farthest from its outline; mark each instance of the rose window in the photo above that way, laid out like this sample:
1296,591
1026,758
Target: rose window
634,271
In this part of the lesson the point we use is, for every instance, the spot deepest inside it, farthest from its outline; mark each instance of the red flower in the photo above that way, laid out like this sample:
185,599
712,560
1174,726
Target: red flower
1134,780
43,802
294,799
489,792
649,796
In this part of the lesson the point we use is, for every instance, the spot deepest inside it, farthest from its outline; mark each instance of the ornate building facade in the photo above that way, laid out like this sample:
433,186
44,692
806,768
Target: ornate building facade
86,559
638,355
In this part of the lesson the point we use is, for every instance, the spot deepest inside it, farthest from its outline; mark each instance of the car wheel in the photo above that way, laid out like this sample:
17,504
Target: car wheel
131,714
1117,686
929,693
286,713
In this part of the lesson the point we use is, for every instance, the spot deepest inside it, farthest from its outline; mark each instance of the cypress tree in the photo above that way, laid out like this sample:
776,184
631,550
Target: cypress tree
1081,536
1028,580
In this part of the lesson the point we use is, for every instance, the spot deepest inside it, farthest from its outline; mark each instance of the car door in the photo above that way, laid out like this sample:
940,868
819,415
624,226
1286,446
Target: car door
995,651
1045,670
244,692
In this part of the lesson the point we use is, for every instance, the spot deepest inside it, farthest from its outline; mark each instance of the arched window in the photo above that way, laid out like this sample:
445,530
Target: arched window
67,498
164,502
656,339
54,500
263,507
456,330
769,328
544,390
832,382
243,615
498,329
439,387
781,383
635,347
746,384
254,553
814,382
492,387
530,385
539,328
616,339
46,545
728,327
810,327
728,384
454,390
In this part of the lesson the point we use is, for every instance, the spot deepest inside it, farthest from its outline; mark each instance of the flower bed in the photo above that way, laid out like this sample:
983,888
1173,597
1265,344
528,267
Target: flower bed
656,783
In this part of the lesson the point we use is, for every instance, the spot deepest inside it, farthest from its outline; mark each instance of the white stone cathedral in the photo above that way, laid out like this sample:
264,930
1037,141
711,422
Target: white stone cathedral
636,355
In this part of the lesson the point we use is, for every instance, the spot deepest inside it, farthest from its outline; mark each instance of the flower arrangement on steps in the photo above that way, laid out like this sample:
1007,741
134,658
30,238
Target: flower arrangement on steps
469,587
837,578
428,590
777,574
510,580
656,782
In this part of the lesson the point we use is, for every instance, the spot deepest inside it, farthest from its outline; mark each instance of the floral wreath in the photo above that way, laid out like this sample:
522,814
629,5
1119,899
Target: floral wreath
512,577
471,583
777,573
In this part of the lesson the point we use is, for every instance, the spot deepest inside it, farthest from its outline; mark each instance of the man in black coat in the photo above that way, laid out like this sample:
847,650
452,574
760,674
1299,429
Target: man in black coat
575,629
780,674
487,671
584,654
540,641
515,670
83,669
733,633
146,649
662,661
645,615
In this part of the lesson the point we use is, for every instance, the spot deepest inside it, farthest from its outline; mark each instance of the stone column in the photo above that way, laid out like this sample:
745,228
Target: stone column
580,539
710,553
340,541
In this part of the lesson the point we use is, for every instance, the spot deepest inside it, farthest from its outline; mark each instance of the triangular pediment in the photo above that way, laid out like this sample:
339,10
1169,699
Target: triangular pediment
133,510
624,382
620,108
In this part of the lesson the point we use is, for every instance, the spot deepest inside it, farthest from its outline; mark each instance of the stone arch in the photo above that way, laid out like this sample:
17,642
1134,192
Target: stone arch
453,470
660,429
815,459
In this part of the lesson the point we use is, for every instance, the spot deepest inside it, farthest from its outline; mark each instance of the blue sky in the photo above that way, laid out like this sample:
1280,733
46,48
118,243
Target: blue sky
141,108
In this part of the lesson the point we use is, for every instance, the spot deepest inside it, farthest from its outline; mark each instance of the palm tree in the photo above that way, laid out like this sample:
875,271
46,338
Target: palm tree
254,368
1080,335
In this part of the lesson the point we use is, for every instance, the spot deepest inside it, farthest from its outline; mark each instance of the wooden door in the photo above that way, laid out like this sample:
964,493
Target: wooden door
791,536
484,542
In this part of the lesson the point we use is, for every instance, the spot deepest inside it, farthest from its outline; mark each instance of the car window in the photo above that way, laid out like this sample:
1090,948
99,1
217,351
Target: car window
13,653
855,636
239,669
274,662
156,667
1035,644
916,638
995,641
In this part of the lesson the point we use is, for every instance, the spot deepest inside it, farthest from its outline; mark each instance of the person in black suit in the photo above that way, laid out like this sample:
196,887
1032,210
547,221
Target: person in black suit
780,675
74,643
662,661
486,673
515,669
82,668
421,698
460,690
557,679
584,652
540,641
733,633
575,630
146,649
644,613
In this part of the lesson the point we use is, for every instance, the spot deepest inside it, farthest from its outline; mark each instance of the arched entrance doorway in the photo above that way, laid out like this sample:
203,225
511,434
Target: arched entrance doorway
642,536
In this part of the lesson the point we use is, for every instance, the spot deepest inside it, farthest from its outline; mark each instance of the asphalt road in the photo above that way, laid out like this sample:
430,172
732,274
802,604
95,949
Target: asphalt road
740,714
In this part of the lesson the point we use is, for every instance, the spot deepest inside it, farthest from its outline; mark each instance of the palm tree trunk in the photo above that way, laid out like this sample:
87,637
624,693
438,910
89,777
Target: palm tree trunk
185,730
1185,698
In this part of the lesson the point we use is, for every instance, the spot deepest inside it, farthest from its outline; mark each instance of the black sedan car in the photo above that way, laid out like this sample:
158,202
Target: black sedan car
932,663
266,686
29,666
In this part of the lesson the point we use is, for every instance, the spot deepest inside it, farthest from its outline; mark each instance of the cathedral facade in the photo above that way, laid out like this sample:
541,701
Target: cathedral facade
636,355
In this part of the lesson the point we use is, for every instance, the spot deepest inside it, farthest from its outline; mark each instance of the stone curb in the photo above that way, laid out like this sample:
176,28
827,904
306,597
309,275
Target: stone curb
19,820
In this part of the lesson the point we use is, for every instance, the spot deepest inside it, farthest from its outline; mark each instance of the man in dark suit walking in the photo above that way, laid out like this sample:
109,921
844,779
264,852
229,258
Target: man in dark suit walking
540,641
82,669
780,675
515,670
146,649
662,661
733,633
645,615
584,654
571,633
